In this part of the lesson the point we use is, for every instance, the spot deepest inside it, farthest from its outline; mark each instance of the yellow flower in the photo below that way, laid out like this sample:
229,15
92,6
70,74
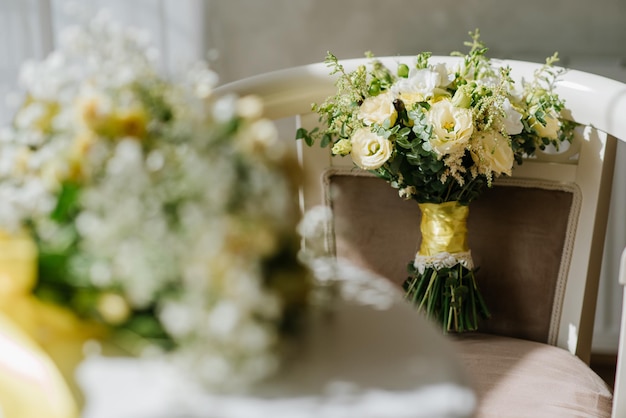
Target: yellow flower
452,127
492,153
37,114
551,128
377,109
100,115
78,153
410,98
369,150
131,122
93,109
113,308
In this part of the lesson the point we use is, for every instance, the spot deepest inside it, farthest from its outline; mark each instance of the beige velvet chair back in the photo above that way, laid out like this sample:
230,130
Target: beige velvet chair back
538,236
520,235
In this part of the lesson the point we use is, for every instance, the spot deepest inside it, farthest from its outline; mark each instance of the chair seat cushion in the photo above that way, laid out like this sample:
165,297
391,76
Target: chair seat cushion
520,378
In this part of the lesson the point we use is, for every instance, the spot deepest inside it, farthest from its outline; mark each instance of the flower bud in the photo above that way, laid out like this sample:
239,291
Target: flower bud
462,97
342,147
403,71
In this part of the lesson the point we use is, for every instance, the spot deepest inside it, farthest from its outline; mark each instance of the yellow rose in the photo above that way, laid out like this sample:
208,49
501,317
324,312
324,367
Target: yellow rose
452,127
377,109
492,152
410,98
369,150
550,130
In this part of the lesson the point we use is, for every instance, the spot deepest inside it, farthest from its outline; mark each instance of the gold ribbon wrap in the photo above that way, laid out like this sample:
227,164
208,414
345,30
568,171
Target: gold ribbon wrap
40,344
444,228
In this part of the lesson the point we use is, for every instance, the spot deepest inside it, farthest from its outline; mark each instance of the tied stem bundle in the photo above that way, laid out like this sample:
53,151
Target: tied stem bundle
441,280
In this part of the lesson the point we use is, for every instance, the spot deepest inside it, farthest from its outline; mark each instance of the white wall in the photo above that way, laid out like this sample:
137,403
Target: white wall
26,33
261,35
175,26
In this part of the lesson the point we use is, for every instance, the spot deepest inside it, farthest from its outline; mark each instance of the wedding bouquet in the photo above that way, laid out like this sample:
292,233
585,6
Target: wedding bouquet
163,214
440,134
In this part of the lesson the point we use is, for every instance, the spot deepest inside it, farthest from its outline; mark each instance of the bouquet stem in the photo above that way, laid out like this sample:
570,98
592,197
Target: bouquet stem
449,296
442,281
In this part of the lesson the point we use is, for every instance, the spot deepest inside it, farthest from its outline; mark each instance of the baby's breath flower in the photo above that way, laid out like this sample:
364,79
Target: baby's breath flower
173,210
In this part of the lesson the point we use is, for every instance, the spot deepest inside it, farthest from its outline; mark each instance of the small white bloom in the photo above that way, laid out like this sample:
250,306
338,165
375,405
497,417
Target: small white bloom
264,133
225,108
445,76
423,82
407,192
224,318
369,150
178,319
250,107
512,121
202,80
100,274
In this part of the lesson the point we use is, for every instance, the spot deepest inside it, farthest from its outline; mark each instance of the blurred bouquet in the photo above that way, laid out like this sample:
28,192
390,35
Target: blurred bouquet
440,134
162,213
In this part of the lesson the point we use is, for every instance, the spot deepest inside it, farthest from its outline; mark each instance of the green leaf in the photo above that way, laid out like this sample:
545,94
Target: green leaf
301,133
326,139
67,203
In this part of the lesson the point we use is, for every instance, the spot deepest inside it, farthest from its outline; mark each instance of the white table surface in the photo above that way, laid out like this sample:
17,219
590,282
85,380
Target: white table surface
363,361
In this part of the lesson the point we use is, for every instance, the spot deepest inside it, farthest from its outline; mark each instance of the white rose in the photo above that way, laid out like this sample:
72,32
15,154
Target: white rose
423,82
369,150
452,127
550,130
492,152
377,109
512,121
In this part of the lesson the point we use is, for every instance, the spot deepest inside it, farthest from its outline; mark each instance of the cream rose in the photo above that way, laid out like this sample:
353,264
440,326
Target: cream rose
369,150
377,109
550,130
492,152
452,127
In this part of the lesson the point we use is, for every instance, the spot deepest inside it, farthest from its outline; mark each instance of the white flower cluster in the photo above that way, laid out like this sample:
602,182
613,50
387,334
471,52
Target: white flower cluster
166,202
90,73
